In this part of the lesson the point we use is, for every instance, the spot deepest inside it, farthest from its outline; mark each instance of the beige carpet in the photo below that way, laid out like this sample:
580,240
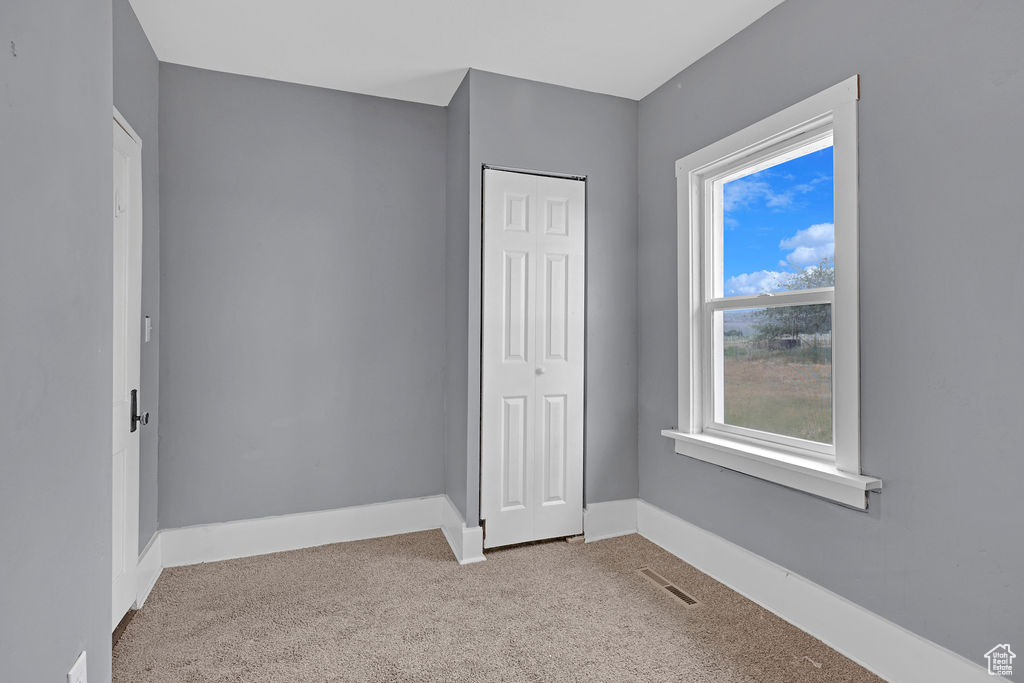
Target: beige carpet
401,609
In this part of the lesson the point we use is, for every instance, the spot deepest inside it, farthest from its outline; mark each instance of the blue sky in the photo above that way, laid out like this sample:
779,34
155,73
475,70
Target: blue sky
779,220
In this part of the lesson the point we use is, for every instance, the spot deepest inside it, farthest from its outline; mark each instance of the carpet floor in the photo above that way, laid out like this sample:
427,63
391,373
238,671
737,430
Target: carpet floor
401,609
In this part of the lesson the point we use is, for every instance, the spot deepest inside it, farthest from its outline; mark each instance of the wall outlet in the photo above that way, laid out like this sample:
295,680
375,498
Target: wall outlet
77,673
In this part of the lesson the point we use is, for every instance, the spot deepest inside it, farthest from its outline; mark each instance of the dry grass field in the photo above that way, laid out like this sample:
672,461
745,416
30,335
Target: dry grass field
780,392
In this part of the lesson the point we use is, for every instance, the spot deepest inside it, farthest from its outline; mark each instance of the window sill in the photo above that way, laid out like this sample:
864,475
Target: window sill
804,474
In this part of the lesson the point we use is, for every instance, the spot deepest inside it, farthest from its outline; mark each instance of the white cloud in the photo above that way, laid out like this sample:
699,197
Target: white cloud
753,283
806,249
743,192
809,246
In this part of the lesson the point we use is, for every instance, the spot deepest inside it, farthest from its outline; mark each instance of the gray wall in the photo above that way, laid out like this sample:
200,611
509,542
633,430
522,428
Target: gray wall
136,96
537,126
302,296
942,254
456,297
55,338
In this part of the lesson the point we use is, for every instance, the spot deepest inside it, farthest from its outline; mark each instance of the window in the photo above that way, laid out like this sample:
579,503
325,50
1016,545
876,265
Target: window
768,300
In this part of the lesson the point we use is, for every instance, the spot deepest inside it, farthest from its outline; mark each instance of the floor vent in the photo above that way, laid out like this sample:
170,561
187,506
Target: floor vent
661,582
653,577
685,598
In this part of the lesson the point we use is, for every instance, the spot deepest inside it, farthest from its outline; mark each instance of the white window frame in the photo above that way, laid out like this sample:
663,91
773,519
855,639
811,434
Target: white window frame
828,470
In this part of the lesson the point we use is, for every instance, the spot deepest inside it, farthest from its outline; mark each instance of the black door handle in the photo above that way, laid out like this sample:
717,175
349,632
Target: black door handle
136,418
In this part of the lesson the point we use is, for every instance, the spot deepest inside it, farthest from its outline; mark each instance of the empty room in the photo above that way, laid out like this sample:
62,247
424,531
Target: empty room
466,340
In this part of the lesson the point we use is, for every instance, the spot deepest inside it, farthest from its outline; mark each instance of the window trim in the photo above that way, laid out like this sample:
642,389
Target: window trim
786,461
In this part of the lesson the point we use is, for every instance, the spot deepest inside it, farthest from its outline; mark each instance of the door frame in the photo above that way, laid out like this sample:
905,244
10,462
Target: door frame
136,225
586,316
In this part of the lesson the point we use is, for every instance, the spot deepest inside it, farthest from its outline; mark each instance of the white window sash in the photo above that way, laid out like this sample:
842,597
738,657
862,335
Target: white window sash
794,297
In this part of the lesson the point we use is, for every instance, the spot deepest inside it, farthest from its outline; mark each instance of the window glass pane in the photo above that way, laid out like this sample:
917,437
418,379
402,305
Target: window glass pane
778,227
777,367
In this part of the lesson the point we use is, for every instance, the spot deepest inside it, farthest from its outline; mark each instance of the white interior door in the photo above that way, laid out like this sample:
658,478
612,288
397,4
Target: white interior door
127,216
531,469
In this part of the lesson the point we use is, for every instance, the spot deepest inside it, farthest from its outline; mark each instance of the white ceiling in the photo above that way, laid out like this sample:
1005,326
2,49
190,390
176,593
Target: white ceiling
418,50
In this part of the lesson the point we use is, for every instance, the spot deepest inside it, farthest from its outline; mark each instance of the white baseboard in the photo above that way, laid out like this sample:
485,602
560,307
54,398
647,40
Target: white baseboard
244,538
874,642
467,543
148,570
610,519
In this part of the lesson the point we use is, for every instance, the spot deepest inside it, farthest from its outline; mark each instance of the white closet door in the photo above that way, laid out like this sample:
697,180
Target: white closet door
532,364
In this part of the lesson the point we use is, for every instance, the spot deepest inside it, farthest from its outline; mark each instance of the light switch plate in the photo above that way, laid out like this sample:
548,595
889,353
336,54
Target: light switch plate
77,673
